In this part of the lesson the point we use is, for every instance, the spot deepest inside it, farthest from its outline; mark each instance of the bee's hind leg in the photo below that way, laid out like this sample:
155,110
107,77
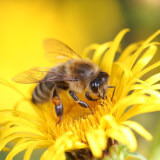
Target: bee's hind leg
81,103
58,105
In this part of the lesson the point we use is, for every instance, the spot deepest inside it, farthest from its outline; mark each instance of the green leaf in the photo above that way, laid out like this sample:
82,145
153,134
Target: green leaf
136,156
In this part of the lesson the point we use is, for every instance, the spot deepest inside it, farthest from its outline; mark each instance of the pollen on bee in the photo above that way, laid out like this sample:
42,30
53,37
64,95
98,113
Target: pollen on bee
56,100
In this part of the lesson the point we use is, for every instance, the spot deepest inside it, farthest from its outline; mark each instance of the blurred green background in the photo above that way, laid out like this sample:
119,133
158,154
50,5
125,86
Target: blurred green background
24,24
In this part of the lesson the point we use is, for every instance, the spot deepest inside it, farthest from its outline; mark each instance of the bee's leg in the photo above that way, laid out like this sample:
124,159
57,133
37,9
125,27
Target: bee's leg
81,103
58,105
89,97
114,88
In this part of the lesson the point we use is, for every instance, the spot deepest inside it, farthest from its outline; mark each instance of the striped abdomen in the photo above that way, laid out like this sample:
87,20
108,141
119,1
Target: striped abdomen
43,92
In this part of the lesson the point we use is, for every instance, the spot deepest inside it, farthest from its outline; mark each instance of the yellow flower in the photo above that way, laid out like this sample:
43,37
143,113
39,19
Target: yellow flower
79,128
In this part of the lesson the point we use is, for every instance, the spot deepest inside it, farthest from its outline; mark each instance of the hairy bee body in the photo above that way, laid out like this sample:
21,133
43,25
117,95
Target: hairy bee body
83,70
42,93
75,74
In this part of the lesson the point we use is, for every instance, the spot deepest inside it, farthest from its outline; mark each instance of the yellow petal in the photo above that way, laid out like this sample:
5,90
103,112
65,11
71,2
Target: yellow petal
100,51
19,129
144,60
124,103
31,147
153,79
51,154
124,135
142,47
147,69
139,129
128,51
121,72
107,122
90,48
20,146
154,35
139,109
7,140
97,142
6,149
108,58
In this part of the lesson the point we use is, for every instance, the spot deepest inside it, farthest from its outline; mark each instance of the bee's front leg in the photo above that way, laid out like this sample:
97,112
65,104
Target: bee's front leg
81,103
89,97
58,105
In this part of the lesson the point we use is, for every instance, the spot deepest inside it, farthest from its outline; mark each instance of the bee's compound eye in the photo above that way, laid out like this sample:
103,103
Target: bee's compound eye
94,87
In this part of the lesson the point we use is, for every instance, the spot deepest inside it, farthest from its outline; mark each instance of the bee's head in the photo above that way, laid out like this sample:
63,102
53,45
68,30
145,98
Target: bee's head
100,84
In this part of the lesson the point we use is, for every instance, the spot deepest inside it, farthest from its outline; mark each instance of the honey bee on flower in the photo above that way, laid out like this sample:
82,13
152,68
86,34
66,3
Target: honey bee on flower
75,75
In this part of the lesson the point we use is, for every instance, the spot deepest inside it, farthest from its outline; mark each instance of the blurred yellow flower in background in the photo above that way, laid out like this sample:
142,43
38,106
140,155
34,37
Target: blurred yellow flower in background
79,129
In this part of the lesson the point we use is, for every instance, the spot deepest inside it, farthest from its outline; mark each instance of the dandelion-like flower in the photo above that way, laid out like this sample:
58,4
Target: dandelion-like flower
79,129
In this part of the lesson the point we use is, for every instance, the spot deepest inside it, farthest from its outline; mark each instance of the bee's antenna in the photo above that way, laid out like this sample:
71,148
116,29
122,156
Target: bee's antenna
113,91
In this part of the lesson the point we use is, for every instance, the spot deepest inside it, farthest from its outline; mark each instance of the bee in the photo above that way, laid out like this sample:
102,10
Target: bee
73,74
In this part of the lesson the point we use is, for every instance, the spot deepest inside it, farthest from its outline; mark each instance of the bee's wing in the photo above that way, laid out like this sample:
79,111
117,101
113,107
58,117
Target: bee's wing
57,51
33,75
36,75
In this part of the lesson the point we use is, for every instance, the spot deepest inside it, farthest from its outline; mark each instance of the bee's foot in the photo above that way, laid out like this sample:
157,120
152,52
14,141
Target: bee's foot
91,110
60,119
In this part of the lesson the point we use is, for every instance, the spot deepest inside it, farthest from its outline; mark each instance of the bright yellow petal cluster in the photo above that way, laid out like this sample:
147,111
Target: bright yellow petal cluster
79,128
